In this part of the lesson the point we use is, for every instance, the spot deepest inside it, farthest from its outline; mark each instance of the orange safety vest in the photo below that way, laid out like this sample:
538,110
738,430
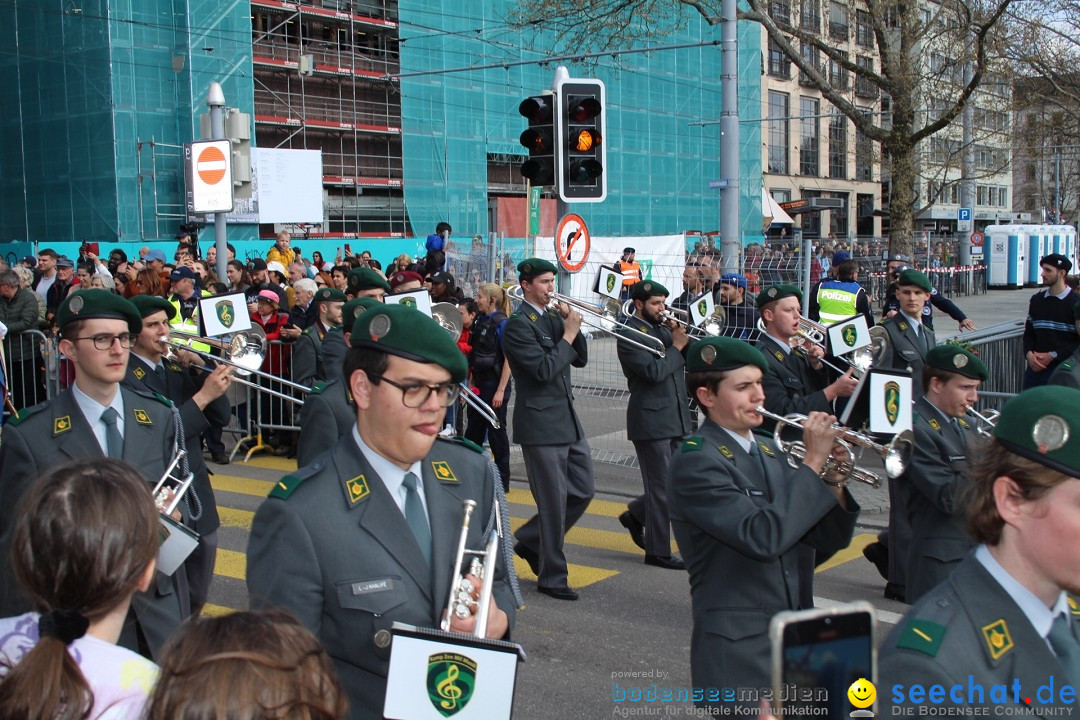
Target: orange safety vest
631,272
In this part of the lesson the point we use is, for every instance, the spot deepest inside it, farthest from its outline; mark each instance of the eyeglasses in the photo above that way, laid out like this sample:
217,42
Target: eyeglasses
414,396
105,341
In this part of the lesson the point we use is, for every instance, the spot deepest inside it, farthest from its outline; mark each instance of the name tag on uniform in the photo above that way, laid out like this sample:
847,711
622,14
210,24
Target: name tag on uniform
957,458
372,586
754,493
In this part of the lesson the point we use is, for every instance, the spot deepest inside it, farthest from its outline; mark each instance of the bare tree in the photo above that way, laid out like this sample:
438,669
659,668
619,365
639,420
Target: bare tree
946,48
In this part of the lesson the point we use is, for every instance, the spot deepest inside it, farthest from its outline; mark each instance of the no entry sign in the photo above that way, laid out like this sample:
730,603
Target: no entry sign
209,175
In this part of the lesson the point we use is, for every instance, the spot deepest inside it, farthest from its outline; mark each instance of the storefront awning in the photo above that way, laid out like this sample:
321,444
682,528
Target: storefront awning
772,213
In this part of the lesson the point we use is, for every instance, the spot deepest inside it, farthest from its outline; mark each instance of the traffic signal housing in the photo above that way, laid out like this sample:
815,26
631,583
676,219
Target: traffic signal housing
580,137
539,138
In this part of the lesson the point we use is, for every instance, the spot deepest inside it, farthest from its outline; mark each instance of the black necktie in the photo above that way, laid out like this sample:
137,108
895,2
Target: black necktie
114,441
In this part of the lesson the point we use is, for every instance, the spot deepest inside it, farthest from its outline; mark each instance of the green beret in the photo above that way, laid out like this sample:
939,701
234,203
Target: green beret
149,304
916,278
723,353
1039,424
777,292
329,294
354,308
531,267
406,332
365,279
953,358
94,304
645,289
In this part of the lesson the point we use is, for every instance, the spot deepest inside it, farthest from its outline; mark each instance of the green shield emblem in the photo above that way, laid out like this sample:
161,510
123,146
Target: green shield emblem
702,308
451,678
225,312
892,401
610,283
409,302
850,335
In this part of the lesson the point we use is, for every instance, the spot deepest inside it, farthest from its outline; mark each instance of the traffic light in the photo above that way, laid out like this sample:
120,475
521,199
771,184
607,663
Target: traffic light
580,138
539,138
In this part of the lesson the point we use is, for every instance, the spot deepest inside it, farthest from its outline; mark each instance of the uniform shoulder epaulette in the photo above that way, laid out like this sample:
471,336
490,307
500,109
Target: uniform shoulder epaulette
284,487
693,443
516,313
1068,365
317,388
922,636
163,400
307,330
148,393
21,415
463,442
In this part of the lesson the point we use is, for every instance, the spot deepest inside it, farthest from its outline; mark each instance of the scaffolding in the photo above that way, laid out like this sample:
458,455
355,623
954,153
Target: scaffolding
323,81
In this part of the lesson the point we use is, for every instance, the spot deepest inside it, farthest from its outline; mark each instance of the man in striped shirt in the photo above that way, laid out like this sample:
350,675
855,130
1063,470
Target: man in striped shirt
1050,331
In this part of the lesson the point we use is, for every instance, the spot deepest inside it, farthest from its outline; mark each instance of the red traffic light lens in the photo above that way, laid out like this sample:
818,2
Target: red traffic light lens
584,110
537,109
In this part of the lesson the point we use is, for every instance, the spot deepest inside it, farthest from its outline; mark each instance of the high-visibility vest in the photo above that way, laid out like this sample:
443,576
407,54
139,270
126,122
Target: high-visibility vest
189,326
837,300
631,272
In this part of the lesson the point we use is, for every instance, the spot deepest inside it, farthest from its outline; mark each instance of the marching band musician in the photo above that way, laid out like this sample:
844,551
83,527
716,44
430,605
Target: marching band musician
308,366
328,412
202,403
739,510
366,534
365,282
937,472
1004,618
95,417
541,345
657,419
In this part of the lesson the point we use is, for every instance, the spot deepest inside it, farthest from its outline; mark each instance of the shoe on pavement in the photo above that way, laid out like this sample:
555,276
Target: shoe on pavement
528,556
220,458
636,529
563,593
669,562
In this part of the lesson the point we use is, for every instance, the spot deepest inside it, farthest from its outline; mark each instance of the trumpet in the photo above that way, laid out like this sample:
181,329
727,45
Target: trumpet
895,454
988,419
710,327
461,600
605,320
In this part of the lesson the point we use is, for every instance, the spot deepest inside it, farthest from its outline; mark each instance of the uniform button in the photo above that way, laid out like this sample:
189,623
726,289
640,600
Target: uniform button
382,639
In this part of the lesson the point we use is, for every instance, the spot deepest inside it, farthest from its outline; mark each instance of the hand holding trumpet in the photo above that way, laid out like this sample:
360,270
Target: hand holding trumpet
820,432
498,622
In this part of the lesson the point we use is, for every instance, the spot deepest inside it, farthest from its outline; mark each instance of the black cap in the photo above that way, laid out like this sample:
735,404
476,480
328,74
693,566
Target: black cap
255,264
1057,260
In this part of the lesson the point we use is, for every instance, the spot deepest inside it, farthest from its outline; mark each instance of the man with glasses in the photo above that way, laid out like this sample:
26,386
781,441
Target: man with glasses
365,536
96,417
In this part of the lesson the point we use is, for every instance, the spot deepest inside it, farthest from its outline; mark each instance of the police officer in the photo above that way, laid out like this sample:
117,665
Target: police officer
932,484
366,535
308,364
1004,618
201,403
95,417
841,297
541,345
328,411
741,316
657,419
739,510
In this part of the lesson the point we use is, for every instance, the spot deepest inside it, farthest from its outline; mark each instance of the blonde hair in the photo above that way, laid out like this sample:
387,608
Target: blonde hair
498,295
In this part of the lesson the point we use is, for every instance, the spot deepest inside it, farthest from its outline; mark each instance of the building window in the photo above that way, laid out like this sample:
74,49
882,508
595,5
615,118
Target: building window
863,86
810,18
864,157
837,145
1003,197
864,31
810,137
779,65
780,12
838,21
778,132
980,195
838,76
812,58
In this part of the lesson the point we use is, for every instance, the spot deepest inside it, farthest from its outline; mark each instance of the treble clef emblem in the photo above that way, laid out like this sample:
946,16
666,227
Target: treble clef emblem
448,691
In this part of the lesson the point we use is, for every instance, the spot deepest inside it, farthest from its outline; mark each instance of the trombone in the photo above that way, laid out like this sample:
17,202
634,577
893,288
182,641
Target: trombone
605,319
987,419
861,361
461,588
896,454
710,327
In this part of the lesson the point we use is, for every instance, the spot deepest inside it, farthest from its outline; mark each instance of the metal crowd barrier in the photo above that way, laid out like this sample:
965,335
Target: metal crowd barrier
31,369
1001,347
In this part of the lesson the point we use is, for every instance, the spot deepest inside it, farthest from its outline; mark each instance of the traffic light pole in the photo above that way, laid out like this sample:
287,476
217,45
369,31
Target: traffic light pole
730,243
215,99
563,278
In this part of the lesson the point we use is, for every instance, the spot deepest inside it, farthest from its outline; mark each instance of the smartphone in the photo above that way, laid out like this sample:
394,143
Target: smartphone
92,248
348,249
818,654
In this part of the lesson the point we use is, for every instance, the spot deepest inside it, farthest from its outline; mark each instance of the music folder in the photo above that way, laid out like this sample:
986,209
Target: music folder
436,674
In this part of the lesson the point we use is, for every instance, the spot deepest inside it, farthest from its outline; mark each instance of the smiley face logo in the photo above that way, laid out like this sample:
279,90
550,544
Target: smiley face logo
862,693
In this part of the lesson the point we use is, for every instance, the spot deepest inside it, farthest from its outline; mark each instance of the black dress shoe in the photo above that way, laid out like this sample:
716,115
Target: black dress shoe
894,591
220,458
563,593
669,562
878,554
528,556
636,529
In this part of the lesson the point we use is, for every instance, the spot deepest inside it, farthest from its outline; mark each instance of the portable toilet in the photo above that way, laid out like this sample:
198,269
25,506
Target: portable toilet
1063,241
1006,250
1038,244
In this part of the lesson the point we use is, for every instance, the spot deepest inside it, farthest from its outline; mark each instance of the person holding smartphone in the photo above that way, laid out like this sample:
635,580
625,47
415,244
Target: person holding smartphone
739,511
1004,617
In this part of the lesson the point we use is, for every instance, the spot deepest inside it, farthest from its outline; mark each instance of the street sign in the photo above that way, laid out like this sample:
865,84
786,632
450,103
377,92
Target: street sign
572,242
963,214
976,250
977,238
209,174
718,184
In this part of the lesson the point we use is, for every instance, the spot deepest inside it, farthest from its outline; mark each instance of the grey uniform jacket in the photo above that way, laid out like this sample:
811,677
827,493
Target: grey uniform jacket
738,533
326,417
658,408
930,489
908,350
790,384
57,432
968,631
540,362
331,546
307,358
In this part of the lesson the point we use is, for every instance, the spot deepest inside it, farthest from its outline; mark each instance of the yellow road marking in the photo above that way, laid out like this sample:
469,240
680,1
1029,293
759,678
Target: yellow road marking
242,485
231,517
269,462
231,564
210,610
852,551
579,575
605,508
